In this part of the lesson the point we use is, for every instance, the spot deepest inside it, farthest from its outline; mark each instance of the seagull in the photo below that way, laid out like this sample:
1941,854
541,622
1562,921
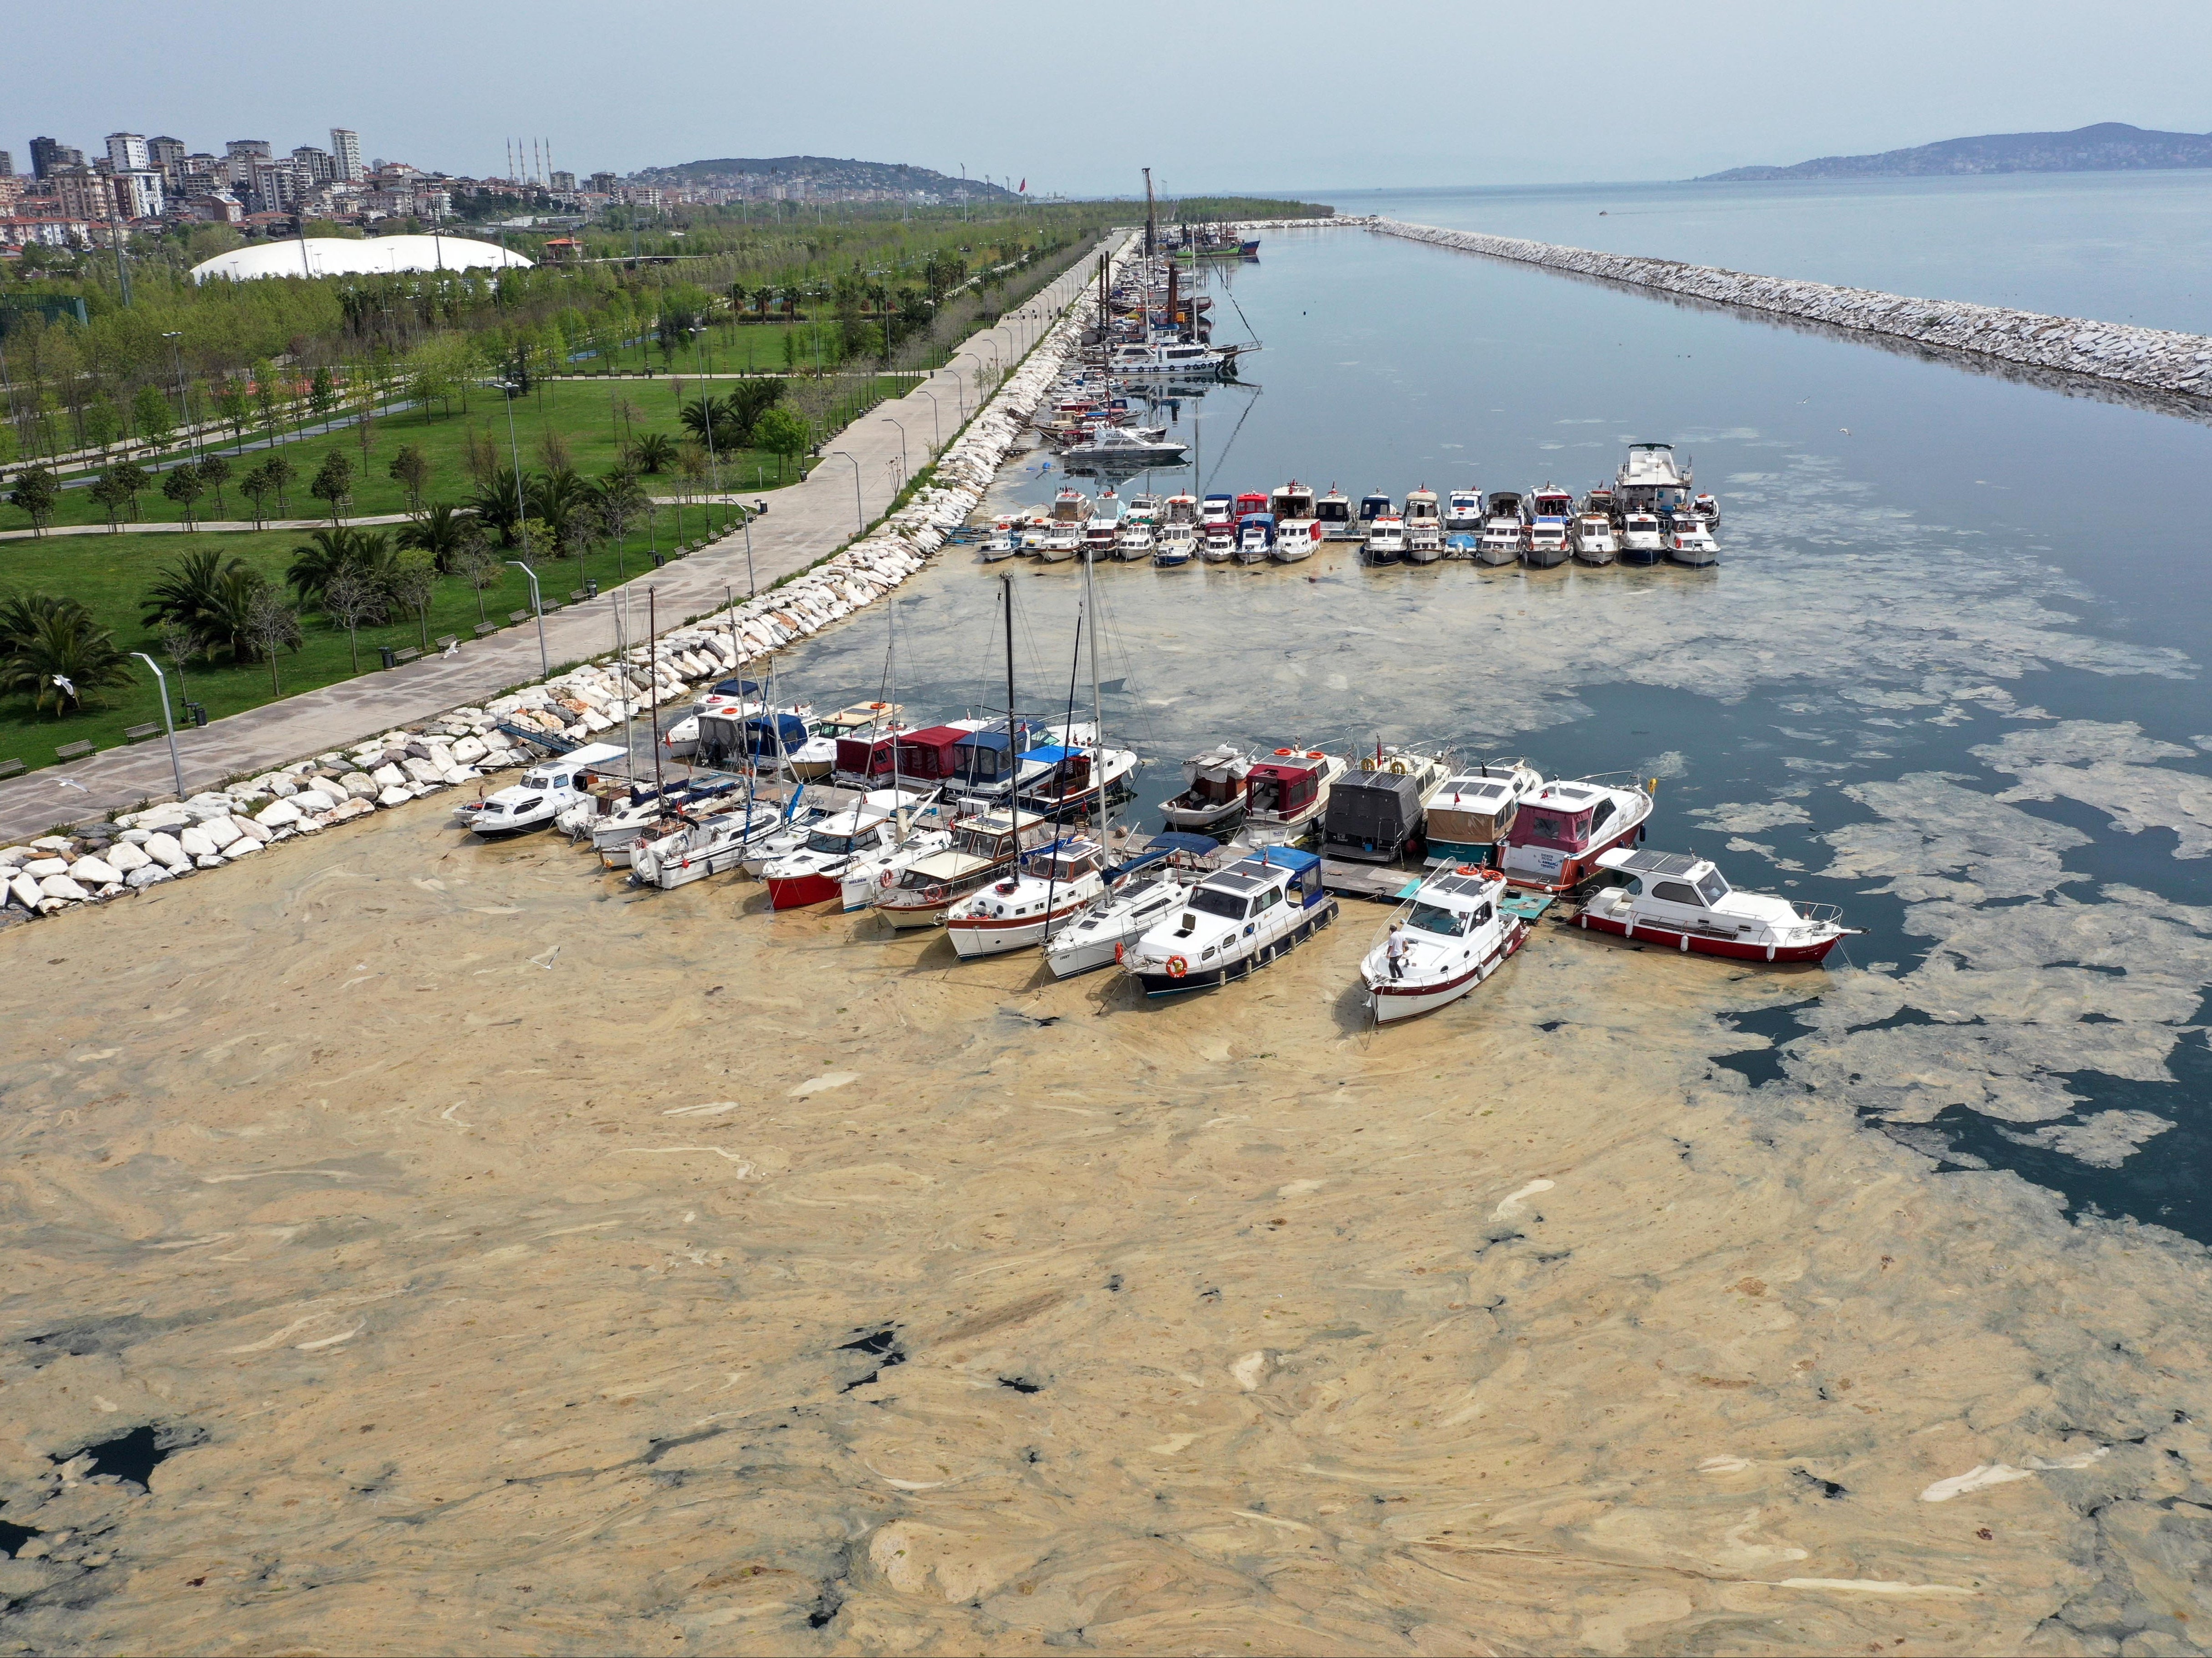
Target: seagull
1845,430
453,649
71,783
67,688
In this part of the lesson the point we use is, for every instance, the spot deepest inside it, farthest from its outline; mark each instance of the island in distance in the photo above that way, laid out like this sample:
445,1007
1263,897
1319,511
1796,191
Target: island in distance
2107,147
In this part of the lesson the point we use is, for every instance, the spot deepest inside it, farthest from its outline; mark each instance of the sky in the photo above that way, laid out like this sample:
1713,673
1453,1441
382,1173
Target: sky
1274,96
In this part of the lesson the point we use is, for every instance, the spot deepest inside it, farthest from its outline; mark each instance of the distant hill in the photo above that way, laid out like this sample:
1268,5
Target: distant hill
824,174
2108,147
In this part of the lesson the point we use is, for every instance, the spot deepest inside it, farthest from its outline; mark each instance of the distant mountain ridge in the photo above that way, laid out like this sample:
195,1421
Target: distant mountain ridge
824,172
2107,147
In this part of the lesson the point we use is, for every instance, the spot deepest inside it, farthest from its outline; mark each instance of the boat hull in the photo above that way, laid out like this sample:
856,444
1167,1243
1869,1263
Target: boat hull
797,891
1695,558
975,935
1545,558
1706,943
1285,832
1479,853
1164,984
1392,1000
1496,556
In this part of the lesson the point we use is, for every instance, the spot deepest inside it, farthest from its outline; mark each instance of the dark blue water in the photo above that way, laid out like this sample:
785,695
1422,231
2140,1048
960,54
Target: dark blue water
1938,587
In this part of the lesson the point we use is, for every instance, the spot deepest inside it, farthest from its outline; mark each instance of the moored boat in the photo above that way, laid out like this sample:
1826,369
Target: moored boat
1467,814
1296,538
545,791
983,848
1560,831
1386,540
1213,803
812,872
1233,923
1689,542
1454,934
1135,543
1463,510
1178,546
1255,537
1675,901
1502,530
1544,546
1641,541
1286,793
1049,888
1595,540
1335,512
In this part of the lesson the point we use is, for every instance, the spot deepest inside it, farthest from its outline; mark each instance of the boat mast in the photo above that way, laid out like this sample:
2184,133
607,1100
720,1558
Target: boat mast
1097,711
1151,221
1007,592
651,637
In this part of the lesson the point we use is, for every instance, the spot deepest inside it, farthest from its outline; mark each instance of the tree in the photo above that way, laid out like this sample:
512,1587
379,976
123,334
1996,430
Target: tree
323,394
179,643
272,626
151,413
319,561
281,476
410,470
477,564
690,467
182,484
212,599
36,493
103,423
750,399
441,532
333,482
235,405
555,498
257,486
413,585
132,478
52,648
349,597
109,493
497,504
654,453
214,472
783,435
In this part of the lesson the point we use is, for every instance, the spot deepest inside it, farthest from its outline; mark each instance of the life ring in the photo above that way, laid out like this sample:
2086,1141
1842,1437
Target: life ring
1399,768
1119,946
1467,869
1285,752
1316,754
933,894
1177,967
887,878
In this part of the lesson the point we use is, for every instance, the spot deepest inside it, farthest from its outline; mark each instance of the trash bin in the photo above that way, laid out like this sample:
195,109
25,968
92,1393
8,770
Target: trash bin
657,561
391,656
591,587
196,713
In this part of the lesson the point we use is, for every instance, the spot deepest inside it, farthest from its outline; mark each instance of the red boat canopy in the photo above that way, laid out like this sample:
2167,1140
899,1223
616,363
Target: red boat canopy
1282,786
927,754
865,756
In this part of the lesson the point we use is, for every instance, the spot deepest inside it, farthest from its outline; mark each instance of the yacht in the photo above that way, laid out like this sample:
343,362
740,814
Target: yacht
1213,803
1102,933
1119,445
1135,542
1255,537
692,851
1651,480
1454,934
1468,813
1594,539
1058,781
1678,902
1286,793
813,872
1296,538
983,849
1293,499
1177,546
1641,541
1556,835
1463,510
1335,512
547,790
1231,923
1386,540
1052,886
1689,542
1503,531
1168,359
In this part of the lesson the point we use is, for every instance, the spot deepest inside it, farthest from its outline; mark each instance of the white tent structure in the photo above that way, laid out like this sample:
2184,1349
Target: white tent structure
341,256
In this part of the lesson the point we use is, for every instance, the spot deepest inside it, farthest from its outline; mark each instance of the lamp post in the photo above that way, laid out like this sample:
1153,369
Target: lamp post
903,462
707,420
521,509
183,408
176,766
978,361
859,511
538,609
752,586
936,427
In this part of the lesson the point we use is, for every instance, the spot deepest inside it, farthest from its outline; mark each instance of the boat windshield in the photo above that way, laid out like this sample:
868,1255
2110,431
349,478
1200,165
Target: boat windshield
1209,902
1711,888
821,840
1444,923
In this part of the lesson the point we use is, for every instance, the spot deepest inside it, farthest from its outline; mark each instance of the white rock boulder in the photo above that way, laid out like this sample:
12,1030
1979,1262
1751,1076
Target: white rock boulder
61,887
166,851
90,871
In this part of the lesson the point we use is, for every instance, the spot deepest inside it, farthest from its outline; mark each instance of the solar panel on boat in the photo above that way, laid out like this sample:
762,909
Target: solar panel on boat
1469,886
1658,863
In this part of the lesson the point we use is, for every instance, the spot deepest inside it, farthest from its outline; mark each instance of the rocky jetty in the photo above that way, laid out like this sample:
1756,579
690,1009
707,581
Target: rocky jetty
142,849
2155,359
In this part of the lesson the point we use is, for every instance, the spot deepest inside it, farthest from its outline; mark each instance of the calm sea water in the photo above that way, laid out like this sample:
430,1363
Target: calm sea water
1948,674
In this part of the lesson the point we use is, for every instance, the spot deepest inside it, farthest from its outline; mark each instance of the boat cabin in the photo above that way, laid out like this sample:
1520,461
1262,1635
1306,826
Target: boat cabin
1421,509
1284,784
986,759
1504,504
1469,815
1334,510
1372,816
1562,817
1250,502
927,756
849,832
1252,886
1256,529
1064,861
1453,906
730,739
1464,506
1071,506
731,690
1181,509
1548,502
1219,513
1293,499
1374,506
1050,774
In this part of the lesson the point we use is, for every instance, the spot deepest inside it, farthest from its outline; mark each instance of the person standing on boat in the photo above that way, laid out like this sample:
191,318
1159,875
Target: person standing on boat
1398,949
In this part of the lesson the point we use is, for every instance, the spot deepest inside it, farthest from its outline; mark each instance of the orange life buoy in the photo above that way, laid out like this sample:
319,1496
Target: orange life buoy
1177,967
1468,869
1316,754
1119,945
887,878
934,895
1286,751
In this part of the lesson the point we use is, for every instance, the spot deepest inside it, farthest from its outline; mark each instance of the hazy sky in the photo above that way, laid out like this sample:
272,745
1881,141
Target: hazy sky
1212,93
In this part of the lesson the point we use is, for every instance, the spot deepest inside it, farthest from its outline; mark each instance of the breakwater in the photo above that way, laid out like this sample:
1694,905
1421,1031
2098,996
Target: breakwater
137,851
2152,359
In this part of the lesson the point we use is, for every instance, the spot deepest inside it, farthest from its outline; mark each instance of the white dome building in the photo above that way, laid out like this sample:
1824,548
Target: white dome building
342,256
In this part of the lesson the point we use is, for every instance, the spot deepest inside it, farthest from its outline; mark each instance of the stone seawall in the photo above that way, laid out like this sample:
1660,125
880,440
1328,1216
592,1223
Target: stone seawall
2155,359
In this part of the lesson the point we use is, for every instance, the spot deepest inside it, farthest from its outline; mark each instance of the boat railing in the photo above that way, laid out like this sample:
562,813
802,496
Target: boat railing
1818,914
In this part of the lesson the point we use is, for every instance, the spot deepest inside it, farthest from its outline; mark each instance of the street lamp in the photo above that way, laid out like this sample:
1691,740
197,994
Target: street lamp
903,462
859,511
176,766
978,361
936,427
183,408
544,662
521,510
707,420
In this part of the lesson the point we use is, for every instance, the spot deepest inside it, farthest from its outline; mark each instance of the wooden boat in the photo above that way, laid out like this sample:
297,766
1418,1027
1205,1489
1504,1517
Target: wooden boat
1469,812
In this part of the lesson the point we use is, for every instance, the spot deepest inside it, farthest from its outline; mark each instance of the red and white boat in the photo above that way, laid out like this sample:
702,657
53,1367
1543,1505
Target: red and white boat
1676,900
1052,888
1561,830
983,849
814,871
1455,934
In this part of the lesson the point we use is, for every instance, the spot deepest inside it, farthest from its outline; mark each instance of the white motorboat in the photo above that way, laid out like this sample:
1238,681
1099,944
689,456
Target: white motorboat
1255,537
1560,830
1292,500
1641,540
1421,513
1596,542
1145,509
691,852
1708,509
817,757
1168,360
1060,542
814,871
1219,546
1454,934
1218,514
1503,531
1051,888
1098,938
1678,902
1296,539
1005,541
1118,446
983,849
1467,815
546,790
1651,479
1178,545
730,698
1179,509
1689,542
1135,542
1463,510
869,873
1386,540
1286,793
1544,543
1335,512
1213,803
1233,923
613,835
1371,506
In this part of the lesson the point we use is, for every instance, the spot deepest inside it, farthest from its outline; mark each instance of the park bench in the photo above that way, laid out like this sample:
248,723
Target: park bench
406,653
576,596
446,641
518,616
73,750
140,733
11,769
483,627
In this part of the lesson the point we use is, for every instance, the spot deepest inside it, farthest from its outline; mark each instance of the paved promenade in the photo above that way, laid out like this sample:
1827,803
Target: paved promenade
807,522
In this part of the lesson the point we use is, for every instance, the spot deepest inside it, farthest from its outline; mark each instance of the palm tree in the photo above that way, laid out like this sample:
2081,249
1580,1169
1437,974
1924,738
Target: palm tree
441,532
214,600
556,497
494,503
654,453
315,565
57,652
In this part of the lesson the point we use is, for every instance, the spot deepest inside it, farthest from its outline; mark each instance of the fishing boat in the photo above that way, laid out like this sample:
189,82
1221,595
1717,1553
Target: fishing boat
1071,508
1179,509
1286,793
1463,510
1708,509
1372,506
1386,540
1233,923
1544,545
817,757
1641,541
1603,501
1335,512
1060,543
711,846
1503,531
1689,542
1454,934
1560,830
1219,547
1255,537
1421,513
1049,888
1372,817
1143,509
760,742
1651,479
1005,540
1296,538
1467,815
1678,902
1213,803
1293,501
1134,543
1594,539
614,836
680,740
1217,513
547,790
1104,526
1178,545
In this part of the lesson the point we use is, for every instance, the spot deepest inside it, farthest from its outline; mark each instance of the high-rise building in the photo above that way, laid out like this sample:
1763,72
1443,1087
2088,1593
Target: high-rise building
126,152
7,165
48,155
560,181
248,149
138,194
317,167
606,183
84,194
345,146
166,155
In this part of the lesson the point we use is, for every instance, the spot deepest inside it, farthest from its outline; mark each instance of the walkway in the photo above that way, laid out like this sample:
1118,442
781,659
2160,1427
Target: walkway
805,523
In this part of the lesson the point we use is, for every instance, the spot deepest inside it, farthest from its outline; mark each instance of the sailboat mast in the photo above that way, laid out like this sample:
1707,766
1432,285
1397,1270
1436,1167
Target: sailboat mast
1151,218
653,640
1007,592
1097,709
